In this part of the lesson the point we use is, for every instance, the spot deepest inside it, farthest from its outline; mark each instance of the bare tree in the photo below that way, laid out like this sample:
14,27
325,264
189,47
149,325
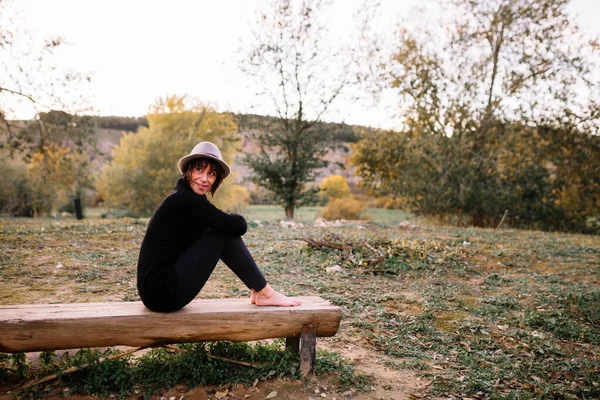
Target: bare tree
303,71
31,79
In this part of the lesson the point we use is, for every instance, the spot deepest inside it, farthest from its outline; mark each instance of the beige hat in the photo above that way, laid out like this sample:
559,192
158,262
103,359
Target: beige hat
207,150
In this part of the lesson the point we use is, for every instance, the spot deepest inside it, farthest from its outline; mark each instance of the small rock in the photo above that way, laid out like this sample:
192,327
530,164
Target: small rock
172,398
317,391
323,394
407,226
271,395
320,222
335,268
59,265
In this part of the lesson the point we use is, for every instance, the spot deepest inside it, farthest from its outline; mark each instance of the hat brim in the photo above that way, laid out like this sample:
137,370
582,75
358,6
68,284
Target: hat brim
184,161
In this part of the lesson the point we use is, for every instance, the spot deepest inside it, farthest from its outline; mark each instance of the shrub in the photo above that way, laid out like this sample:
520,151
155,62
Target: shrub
390,203
334,187
15,198
345,208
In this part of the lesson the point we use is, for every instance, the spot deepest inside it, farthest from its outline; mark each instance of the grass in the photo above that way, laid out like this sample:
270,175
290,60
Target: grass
475,313
309,214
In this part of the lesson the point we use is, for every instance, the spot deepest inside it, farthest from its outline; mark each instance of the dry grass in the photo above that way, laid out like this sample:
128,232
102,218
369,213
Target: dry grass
467,312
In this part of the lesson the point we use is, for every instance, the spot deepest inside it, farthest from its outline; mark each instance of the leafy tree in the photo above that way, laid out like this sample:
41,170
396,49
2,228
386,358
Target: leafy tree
143,166
485,115
302,76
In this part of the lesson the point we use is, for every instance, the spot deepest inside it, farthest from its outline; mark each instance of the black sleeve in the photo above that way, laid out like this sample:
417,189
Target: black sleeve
204,212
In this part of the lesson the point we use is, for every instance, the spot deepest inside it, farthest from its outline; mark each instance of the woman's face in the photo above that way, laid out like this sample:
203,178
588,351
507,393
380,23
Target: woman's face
202,178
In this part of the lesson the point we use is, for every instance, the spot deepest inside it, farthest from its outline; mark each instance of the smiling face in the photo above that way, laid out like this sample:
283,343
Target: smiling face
203,176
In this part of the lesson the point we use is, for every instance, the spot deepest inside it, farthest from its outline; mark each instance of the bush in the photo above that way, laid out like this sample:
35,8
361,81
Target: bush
15,198
345,208
388,202
334,187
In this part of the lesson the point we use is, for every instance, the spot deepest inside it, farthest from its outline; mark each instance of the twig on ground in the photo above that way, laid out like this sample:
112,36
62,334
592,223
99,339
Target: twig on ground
322,244
83,366
180,350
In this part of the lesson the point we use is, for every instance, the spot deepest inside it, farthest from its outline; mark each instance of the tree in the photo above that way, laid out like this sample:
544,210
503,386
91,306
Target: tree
496,59
143,166
33,82
485,113
302,74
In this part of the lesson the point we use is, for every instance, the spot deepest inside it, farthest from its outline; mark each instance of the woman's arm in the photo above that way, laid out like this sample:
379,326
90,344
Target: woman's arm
205,212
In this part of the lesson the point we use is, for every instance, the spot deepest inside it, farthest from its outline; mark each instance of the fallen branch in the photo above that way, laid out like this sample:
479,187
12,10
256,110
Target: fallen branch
180,350
83,366
321,244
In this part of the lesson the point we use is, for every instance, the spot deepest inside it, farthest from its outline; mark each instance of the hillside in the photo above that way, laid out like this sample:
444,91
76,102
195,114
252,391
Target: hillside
110,129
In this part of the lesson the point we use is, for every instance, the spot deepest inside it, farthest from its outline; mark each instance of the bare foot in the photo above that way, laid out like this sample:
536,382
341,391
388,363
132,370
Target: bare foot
270,297
253,295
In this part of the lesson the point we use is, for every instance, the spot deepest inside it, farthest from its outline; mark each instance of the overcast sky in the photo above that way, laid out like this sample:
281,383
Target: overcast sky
139,50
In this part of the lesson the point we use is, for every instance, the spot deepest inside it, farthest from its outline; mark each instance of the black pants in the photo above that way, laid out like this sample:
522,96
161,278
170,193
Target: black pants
196,264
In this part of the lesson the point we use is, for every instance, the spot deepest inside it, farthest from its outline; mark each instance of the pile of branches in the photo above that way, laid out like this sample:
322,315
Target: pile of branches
386,255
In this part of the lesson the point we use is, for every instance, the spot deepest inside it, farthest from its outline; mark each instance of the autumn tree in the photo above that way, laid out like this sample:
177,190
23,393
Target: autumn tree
33,83
484,110
290,57
143,168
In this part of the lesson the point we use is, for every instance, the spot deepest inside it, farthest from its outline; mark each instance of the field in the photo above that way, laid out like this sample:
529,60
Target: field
431,312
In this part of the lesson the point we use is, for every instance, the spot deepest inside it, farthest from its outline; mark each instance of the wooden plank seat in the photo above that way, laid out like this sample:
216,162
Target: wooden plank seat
38,327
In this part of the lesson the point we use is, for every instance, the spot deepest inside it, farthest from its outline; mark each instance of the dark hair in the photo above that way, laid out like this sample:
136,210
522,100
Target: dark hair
203,162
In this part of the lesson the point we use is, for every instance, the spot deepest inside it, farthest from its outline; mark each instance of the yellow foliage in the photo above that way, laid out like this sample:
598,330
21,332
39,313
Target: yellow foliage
231,197
53,176
334,187
345,208
143,169
388,202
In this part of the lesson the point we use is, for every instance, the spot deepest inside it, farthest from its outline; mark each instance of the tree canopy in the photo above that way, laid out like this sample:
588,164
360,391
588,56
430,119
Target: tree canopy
143,169
492,114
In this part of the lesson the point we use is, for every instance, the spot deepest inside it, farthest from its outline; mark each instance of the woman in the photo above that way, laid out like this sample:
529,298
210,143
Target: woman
187,236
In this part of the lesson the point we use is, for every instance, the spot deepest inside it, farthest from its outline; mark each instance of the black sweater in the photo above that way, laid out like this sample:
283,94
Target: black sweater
181,218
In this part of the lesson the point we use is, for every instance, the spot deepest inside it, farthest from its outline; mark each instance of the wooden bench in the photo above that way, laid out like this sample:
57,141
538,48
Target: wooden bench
38,327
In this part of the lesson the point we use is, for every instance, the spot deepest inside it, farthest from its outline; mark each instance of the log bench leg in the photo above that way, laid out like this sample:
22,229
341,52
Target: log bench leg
308,349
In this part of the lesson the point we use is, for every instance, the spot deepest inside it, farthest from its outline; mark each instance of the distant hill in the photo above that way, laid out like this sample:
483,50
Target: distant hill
110,129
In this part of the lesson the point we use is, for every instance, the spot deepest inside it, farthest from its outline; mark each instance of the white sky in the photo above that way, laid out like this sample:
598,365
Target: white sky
139,50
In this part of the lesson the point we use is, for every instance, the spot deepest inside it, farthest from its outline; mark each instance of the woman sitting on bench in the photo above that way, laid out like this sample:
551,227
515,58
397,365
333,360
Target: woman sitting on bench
187,235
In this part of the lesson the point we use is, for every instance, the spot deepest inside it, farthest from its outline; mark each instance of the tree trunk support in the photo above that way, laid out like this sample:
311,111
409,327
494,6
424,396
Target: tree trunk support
308,349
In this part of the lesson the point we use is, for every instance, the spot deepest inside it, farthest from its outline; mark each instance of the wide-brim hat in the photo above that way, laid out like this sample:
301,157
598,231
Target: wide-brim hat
206,150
